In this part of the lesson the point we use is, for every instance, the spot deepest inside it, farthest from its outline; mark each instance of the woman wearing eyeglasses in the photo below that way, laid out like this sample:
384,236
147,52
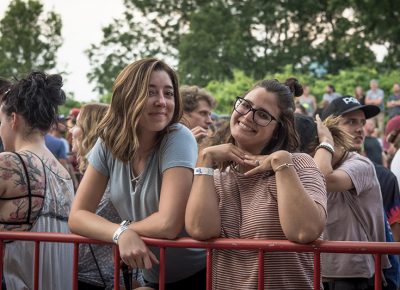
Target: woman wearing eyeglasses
259,191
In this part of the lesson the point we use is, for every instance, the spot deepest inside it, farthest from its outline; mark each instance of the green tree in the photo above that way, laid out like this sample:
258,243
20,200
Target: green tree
209,40
225,92
29,39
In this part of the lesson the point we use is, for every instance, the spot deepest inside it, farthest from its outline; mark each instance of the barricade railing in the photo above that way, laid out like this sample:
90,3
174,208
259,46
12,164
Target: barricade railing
262,246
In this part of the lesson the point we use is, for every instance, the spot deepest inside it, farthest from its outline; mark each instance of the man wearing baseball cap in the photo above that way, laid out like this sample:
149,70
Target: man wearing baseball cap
354,116
354,197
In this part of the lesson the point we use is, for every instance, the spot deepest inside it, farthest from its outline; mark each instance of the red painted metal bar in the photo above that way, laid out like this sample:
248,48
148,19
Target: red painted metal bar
1,264
36,266
317,247
260,270
230,244
378,272
317,271
117,259
209,269
75,267
161,272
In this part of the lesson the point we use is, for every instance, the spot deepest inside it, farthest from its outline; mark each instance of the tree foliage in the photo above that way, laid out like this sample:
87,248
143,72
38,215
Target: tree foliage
29,39
209,40
345,82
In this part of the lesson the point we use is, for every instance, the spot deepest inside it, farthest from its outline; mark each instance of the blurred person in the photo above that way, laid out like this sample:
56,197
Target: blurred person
308,101
197,107
259,191
372,148
353,194
375,96
147,158
359,94
56,146
393,103
59,131
96,264
330,94
393,137
299,108
36,191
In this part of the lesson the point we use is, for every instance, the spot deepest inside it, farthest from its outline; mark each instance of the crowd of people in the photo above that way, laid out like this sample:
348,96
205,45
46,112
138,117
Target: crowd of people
156,162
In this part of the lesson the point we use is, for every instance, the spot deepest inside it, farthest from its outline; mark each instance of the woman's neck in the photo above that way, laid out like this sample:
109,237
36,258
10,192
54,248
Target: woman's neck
34,143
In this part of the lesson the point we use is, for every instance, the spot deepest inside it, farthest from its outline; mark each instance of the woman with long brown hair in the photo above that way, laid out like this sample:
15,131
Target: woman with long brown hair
147,157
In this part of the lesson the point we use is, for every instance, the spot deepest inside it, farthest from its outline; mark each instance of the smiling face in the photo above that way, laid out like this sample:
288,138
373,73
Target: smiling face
160,104
248,134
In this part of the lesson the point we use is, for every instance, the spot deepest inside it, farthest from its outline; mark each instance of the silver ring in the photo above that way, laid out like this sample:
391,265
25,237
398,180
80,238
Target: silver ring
257,162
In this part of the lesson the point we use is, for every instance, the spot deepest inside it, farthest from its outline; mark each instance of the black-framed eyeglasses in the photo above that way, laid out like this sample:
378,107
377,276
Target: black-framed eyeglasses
260,116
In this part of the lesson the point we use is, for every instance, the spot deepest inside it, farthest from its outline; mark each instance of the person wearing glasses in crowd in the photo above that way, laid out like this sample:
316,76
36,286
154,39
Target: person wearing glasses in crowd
147,158
259,191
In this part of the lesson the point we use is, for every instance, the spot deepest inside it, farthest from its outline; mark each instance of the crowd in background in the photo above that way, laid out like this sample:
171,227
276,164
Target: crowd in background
158,162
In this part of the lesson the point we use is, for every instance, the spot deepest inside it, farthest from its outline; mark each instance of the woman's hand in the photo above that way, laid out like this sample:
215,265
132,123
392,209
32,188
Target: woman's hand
134,252
262,163
220,153
324,135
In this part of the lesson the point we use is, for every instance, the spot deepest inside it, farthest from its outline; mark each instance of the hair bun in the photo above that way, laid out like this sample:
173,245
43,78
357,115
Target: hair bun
295,87
36,97
53,89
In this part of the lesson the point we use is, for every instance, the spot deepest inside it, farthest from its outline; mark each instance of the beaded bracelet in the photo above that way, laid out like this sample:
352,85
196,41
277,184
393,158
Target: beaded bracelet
326,146
284,165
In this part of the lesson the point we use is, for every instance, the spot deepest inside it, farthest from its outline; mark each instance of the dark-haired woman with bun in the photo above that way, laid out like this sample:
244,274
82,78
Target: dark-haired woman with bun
36,191
259,191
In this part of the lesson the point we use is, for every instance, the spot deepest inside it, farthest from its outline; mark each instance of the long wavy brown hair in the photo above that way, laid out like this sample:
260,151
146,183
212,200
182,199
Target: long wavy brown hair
119,127
90,116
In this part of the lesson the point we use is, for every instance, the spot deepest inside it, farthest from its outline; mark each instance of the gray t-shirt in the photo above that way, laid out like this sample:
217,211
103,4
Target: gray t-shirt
343,225
330,97
377,94
138,199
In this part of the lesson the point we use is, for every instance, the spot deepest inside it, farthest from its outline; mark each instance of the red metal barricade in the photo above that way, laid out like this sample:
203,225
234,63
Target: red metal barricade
261,246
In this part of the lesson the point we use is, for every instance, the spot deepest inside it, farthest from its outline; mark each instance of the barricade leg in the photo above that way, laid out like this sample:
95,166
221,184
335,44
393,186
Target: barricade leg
209,269
75,267
378,272
317,270
162,269
260,270
36,266
116,267
1,263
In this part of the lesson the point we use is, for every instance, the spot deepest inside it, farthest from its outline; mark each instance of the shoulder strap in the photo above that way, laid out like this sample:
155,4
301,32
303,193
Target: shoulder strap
28,219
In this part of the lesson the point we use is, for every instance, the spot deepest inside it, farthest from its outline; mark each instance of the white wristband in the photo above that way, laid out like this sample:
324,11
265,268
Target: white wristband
204,171
118,232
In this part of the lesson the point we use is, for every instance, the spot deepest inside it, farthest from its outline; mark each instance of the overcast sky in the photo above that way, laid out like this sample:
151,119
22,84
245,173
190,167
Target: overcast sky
82,23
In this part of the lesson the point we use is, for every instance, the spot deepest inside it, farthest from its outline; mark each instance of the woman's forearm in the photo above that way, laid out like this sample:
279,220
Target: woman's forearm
302,219
88,224
202,219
